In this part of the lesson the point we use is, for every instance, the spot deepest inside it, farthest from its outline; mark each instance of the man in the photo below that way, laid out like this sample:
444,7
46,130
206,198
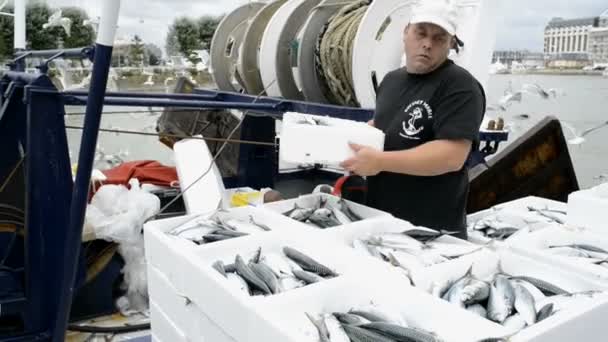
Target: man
431,111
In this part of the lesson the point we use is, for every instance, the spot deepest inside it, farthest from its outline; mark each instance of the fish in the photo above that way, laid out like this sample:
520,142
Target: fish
265,273
358,334
501,299
219,266
289,282
340,215
454,294
375,314
324,218
478,309
563,301
542,285
334,327
228,233
350,318
568,251
308,263
474,291
399,333
259,224
307,277
515,323
300,214
525,304
545,312
503,233
534,291
362,247
547,214
230,268
243,227
215,238
320,326
347,210
439,289
256,256
247,273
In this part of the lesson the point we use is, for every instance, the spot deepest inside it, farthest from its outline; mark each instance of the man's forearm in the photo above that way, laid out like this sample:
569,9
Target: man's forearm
431,159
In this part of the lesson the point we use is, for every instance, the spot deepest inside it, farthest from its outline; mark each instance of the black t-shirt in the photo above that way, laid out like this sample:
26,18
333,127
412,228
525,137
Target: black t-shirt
411,110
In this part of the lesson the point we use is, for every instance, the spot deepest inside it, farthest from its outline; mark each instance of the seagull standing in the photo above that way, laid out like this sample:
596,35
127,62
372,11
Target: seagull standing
57,20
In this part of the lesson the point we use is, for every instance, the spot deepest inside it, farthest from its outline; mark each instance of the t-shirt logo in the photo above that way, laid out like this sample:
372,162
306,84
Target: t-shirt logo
416,111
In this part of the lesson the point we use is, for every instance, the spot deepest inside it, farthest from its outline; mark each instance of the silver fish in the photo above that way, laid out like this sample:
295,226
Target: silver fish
439,289
243,227
307,277
362,247
545,312
501,300
478,309
308,263
346,209
336,332
534,291
259,224
339,215
542,285
219,266
525,305
300,214
324,218
349,318
357,334
475,291
399,333
380,314
247,273
454,294
515,323
267,275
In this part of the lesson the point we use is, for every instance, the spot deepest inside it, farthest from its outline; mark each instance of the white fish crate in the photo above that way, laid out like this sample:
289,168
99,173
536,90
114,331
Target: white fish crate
312,200
163,328
286,315
187,317
166,252
516,213
326,143
445,244
589,208
484,264
229,307
536,245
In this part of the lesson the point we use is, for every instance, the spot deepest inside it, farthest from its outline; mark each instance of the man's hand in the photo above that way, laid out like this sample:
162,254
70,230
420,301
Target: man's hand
366,161
371,123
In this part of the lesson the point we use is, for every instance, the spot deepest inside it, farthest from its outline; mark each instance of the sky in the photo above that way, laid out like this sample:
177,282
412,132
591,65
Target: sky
522,24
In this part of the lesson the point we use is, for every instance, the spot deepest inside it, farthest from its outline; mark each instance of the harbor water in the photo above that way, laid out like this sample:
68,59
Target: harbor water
581,103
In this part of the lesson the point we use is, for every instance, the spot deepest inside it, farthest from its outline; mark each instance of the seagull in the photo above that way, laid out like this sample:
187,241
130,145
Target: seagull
57,20
94,23
579,139
149,82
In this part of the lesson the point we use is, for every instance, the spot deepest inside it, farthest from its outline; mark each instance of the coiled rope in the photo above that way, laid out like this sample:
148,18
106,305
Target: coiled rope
334,51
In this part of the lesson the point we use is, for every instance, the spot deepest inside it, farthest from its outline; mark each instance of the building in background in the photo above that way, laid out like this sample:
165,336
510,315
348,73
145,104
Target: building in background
598,41
519,59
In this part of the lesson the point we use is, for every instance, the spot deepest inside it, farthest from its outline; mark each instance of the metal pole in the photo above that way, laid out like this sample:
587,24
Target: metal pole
99,80
19,28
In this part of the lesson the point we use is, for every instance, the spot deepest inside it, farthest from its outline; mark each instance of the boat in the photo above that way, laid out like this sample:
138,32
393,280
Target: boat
58,284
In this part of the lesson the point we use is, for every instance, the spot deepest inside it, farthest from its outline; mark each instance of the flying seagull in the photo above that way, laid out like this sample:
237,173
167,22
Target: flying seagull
580,138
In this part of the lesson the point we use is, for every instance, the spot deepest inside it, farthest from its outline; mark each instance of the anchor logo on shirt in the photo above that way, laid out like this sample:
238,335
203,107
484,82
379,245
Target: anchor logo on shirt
410,129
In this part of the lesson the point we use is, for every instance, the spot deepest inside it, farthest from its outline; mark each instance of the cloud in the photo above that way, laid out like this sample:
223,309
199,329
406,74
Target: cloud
523,23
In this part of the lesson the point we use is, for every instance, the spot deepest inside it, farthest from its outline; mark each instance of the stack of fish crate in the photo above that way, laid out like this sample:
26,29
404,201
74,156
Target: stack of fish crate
375,264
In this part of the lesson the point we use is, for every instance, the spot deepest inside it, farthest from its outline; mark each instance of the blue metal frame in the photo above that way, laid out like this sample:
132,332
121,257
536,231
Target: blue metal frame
32,119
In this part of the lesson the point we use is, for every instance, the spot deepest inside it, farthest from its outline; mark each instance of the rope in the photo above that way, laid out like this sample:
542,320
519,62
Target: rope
334,51
10,176
178,136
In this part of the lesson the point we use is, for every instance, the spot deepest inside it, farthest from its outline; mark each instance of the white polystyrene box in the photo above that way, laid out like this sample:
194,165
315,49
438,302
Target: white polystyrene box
233,310
163,327
303,143
484,264
516,212
589,208
535,245
187,316
193,160
287,313
365,229
312,199
167,252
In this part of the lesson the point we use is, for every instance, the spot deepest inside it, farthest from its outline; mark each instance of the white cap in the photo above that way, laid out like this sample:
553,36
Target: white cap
443,13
